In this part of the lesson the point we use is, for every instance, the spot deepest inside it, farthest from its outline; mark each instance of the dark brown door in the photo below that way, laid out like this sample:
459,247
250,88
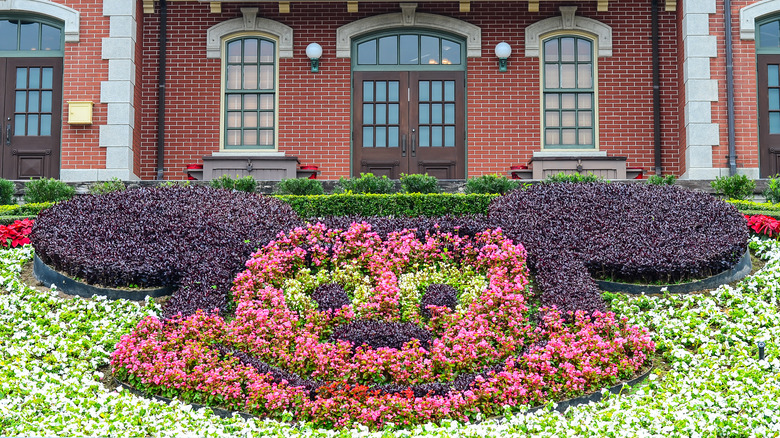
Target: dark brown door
31,116
409,122
769,114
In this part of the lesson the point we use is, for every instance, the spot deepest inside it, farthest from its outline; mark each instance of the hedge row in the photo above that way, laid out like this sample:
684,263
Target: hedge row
399,204
755,206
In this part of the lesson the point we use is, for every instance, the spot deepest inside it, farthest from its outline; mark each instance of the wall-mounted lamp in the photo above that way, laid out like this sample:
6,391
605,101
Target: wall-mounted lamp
503,50
314,52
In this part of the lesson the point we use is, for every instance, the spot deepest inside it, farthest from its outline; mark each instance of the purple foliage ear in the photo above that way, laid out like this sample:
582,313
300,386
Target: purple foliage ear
330,297
438,294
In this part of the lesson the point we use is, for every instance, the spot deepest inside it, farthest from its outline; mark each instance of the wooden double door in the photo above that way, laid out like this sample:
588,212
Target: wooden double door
31,117
409,122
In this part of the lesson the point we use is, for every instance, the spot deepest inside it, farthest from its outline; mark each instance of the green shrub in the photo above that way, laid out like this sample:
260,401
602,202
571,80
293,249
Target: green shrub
772,192
659,180
113,185
734,187
419,183
245,184
771,213
9,209
47,190
750,205
396,204
299,186
34,208
171,183
491,184
7,189
367,183
572,178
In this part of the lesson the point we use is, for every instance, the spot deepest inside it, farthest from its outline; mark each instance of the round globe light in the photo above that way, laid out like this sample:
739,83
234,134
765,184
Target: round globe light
503,50
314,51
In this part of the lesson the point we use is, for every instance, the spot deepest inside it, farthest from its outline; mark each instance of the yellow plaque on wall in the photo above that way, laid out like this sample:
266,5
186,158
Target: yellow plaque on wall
80,113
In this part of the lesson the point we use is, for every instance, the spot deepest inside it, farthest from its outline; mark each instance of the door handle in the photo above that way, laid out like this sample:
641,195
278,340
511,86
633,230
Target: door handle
414,144
8,133
403,145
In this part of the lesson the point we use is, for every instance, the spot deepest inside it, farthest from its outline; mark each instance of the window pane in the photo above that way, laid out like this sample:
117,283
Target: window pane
266,77
267,101
392,137
774,98
585,118
568,76
250,120
234,137
437,137
567,49
568,118
50,38
769,34
409,49
234,119
266,120
234,77
773,75
368,137
266,138
368,91
551,50
234,101
584,50
436,92
32,124
429,48
381,91
250,77
449,90
381,137
551,101
29,39
584,76
567,101
449,136
584,101
449,113
21,102
47,77
267,54
19,124
367,53
586,136
392,91
368,114
35,77
250,101
551,76
436,113
8,37
46,124
552,119
46,101
392,114
21,78
250,137
551,137
388,50
569,136
425,136
250,51
381,114
424,116
774,123
424,91
33,101
450,52
234,51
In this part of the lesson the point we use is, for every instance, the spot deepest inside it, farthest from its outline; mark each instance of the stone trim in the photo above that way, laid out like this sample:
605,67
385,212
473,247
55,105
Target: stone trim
751,13
408,18
45,7
250,22
568,21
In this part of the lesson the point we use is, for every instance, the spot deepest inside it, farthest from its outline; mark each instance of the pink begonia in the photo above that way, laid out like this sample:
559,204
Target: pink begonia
553,360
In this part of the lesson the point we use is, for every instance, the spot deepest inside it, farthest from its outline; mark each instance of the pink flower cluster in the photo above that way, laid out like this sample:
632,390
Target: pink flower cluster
535,363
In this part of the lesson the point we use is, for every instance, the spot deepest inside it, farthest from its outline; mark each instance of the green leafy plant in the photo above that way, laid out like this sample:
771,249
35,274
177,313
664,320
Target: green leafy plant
772,192
572,178
490,184
734,187
171,183
394,204
47,190
659,180
366,183
419,183
113,185
7,189
245,184
300,187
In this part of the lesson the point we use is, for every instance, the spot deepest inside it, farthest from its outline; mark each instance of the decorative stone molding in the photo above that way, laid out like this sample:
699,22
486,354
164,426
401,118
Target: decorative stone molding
46,7
250,22
749,14
408,17
568,21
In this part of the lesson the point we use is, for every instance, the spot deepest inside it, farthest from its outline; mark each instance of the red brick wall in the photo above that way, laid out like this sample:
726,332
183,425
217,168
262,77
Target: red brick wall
503,108
82,73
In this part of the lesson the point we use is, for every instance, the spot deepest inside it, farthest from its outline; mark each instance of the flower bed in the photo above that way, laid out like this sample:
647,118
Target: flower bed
16,234
365,351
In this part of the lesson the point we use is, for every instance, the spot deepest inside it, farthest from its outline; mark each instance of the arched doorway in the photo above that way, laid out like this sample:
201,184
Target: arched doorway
409,104
768,82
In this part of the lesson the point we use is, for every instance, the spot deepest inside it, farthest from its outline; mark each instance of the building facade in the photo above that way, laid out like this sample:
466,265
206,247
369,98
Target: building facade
142,89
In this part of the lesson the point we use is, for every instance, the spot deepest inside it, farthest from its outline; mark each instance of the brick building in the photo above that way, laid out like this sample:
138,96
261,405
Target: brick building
397,88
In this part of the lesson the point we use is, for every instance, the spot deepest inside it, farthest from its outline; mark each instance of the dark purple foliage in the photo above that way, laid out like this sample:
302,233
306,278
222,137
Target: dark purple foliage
629,232
330,297
438,294
195,238
377,334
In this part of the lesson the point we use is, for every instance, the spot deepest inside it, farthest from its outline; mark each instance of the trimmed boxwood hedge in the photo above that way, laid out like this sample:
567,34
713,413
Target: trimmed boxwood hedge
398,204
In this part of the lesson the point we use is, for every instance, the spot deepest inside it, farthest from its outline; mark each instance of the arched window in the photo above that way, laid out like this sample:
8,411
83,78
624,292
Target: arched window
250,98
409,49
21,37
569,92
